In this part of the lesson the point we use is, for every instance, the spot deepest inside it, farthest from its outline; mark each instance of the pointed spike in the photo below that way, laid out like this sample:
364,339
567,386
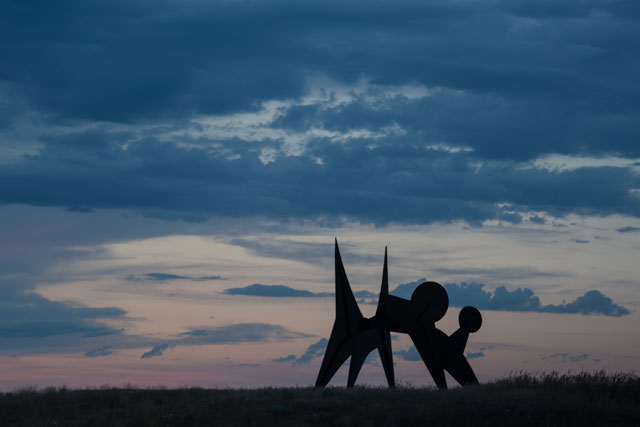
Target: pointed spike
341,274
347,310
386,356
384,288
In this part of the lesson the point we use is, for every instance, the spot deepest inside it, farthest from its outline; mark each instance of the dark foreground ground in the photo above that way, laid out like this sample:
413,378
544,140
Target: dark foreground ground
549,399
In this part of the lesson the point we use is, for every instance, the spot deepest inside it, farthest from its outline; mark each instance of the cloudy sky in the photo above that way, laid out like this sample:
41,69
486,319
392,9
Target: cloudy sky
173,174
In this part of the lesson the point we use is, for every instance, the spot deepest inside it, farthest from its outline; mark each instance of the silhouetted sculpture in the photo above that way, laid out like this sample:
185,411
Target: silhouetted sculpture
356,336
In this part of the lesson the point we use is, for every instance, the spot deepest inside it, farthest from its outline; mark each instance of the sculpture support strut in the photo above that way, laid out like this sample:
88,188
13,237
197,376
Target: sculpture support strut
355,336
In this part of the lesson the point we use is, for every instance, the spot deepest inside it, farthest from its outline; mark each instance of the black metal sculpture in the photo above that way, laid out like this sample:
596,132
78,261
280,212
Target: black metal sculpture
355,336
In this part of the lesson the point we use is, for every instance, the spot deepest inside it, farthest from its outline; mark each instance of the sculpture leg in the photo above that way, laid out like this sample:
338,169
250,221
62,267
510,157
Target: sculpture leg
364,343
357,360
429,355
386,357
459,368
335,355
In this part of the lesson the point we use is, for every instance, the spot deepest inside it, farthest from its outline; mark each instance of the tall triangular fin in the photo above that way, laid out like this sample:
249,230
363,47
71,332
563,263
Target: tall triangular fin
384,345
347,310
345,327
384,287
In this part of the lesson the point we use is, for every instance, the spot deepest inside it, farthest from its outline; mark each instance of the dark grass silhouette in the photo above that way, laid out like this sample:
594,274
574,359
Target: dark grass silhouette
524,399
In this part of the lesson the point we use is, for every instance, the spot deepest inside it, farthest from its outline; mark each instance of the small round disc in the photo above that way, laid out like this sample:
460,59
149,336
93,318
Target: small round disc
470,319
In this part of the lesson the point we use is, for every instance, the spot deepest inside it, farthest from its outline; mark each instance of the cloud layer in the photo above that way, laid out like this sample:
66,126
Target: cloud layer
25,315
474,294
436,111
234,333
521,299
280,291
283,291
313,351
167,277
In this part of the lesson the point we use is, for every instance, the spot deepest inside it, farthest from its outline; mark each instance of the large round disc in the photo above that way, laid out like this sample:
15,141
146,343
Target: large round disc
431,302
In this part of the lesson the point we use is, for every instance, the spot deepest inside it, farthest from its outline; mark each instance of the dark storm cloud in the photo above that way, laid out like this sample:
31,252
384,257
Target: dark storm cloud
402,184
570,68
507,80
522,299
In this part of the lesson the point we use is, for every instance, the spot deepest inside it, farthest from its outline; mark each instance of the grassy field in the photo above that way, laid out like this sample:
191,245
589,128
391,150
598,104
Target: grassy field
520,400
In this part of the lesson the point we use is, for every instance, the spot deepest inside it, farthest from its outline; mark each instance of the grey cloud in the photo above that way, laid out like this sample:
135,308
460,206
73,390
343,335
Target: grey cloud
565,357
27,315
238,332
320,192
499,274
511,217
104,350
36,329
283,291
367,301
32,324
404,290
310,252
166,277
157,350
314,350
229,334
411,354
475,355
280,248
592,302
581,241
365,294
285,359
522,299
373,358
537,220
628,229
280,291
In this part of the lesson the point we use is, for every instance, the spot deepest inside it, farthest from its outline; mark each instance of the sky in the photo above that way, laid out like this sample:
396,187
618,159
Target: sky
173,175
